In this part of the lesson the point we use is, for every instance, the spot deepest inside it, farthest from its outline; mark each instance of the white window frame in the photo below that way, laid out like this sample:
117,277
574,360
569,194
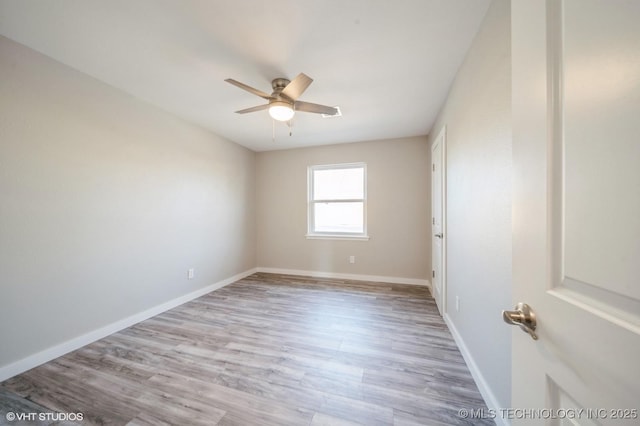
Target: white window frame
311,233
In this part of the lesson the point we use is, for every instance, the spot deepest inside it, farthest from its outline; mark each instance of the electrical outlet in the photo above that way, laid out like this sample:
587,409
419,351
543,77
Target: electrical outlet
352,259
190,273
457,304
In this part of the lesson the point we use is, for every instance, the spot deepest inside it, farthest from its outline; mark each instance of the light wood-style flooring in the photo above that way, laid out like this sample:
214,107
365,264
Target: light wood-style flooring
269,350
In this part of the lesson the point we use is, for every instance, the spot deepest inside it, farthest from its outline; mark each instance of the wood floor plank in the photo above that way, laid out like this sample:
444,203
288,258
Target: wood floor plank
321,419
267,350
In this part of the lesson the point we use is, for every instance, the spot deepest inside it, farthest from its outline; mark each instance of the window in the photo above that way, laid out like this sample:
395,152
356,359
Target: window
337,201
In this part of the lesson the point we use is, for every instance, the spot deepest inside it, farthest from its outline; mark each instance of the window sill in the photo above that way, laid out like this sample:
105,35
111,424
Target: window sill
337,237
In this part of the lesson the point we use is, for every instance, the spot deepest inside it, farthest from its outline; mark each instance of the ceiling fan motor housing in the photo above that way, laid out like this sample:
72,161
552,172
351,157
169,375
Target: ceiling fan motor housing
278,100
278,84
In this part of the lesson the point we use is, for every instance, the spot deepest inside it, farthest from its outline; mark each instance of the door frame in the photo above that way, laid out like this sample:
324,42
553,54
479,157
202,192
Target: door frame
442,137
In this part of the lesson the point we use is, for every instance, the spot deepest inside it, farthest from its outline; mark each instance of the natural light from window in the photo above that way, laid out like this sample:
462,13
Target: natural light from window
337,200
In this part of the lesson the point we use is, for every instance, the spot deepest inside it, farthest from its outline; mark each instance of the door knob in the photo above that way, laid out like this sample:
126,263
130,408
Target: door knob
438,235
523,317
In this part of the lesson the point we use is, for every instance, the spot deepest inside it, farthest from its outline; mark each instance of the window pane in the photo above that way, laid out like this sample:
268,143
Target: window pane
339,217
338,184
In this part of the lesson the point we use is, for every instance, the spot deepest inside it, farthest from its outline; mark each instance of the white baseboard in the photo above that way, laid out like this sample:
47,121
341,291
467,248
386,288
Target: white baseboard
484,388
54,352
356,277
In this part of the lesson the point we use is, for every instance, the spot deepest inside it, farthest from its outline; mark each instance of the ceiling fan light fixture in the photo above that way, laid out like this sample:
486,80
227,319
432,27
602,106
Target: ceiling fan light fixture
281,111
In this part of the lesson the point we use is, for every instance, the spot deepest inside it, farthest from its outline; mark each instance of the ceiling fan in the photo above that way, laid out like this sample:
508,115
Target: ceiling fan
283,102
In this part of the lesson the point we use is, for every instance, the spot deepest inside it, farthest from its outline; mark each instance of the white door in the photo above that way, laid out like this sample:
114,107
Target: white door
576,208
437,224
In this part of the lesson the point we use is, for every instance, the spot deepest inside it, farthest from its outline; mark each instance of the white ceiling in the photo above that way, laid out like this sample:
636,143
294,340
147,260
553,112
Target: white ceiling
388,64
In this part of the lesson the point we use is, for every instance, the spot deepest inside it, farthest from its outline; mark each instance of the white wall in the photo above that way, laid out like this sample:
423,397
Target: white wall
105,203
477,114
397,212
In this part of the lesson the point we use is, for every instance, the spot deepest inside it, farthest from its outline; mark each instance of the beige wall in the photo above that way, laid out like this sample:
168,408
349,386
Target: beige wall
105,204
477,114
397,210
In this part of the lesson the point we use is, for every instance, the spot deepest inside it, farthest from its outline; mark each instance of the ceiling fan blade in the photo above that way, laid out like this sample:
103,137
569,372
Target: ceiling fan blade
253,109
248,88
318,109
297,86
